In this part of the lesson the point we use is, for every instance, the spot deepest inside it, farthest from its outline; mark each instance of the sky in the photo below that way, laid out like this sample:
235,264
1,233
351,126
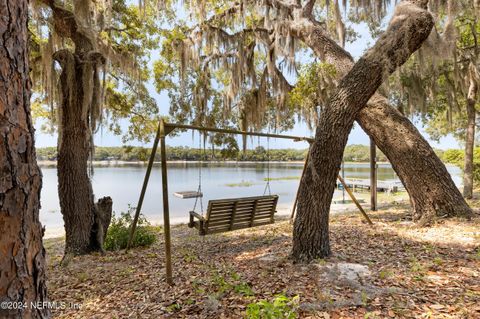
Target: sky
357,136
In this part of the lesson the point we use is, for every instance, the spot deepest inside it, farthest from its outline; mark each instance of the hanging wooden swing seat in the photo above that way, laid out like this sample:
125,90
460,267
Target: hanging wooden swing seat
235,213
188,194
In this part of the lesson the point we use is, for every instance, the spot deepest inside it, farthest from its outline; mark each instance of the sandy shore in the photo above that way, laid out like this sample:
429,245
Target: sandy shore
282,210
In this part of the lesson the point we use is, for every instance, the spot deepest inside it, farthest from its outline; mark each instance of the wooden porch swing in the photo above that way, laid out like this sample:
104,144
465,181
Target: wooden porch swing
222,214
230,214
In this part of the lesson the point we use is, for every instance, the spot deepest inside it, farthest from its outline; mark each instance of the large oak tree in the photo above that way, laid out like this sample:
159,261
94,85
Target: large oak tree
90,69
257,42
409,27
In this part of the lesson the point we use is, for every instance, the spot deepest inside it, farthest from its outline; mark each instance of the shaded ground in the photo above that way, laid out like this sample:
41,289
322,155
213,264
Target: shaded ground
390,270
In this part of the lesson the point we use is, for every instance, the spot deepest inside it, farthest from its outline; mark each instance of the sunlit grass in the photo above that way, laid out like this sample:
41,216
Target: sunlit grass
284,178
241,184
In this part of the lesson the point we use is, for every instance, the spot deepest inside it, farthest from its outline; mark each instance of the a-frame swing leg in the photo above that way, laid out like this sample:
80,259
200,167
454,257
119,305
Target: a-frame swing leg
133,227
350,193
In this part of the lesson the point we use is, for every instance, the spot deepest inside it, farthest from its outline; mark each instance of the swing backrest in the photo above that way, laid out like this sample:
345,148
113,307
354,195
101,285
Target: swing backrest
237,213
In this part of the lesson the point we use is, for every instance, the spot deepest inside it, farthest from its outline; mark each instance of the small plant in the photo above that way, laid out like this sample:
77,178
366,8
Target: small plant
365,298
174,307
282,307
188,255
321,261
244,289
438,261
82,276
477,255
417,269
385,273
221,283
232,281
119,231
371,315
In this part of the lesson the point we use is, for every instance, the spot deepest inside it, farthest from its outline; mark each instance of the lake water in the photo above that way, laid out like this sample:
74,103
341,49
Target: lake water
224,180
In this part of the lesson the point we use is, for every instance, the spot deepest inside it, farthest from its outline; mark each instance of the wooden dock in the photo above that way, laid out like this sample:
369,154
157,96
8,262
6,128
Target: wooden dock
364,184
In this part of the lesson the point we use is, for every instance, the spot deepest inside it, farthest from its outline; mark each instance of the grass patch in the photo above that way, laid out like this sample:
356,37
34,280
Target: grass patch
241,184
231,281
284,178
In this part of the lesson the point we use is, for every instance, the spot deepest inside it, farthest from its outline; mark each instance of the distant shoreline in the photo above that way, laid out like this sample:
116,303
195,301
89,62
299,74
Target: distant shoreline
119,163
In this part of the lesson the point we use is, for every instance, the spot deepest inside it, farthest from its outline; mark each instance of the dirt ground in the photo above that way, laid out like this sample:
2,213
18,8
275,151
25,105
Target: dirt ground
391,270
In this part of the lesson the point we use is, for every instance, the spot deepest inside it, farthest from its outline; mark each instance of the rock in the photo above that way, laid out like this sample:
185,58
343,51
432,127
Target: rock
351,274
211,304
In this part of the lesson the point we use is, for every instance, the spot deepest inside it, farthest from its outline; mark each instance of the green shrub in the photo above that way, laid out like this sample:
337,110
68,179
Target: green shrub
282,307
119,231
453,157
457,157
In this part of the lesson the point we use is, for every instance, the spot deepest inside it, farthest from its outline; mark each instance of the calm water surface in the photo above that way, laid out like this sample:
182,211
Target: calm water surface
124,183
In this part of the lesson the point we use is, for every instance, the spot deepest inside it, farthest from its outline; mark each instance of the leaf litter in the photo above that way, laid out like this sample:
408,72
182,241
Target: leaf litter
391,270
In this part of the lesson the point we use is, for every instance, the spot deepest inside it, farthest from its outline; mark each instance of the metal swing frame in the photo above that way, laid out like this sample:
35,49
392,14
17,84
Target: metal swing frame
163,130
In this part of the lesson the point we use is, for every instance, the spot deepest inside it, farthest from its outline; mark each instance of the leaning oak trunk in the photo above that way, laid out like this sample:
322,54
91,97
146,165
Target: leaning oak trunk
410,26
22,256
470,136
75,191
431,189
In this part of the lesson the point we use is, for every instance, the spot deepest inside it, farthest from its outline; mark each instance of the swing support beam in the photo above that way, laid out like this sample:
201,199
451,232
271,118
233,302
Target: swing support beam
164,129
345,187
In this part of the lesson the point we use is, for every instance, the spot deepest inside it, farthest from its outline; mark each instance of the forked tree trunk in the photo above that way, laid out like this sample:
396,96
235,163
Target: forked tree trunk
470,135
74,146
410,26
430,187
22,256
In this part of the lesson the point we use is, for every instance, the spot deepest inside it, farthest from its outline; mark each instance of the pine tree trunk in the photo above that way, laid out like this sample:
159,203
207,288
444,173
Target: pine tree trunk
22,256
430,187
74,145
410,26
470,139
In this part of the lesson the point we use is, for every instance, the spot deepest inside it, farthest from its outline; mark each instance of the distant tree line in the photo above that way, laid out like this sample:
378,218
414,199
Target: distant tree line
353,153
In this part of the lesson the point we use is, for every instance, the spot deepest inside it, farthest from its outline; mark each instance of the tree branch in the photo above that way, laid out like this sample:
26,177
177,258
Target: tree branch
231,10
216,56
66,25
308,8
287,5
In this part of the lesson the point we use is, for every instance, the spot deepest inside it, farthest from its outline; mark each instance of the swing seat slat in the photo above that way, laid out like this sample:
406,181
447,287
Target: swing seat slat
235,213
188,194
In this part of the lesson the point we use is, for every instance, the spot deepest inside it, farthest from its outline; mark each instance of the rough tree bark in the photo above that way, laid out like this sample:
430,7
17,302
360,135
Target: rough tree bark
431,188
470,134
22,256
79,77
410,26
433,194
74,146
